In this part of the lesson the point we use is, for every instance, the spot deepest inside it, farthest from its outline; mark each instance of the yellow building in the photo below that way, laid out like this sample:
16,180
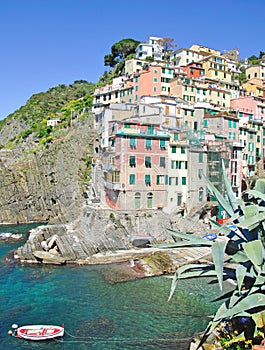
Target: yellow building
216,67
254,87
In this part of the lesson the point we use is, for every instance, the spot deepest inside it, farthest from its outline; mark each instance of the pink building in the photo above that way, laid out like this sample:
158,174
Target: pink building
137,176
253,106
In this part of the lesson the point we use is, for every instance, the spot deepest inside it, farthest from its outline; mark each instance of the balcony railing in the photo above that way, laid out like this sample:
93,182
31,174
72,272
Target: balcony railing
142,132
112,185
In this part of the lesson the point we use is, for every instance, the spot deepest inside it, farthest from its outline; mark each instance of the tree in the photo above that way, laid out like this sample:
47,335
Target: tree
261,54
119,51
243,242
168,45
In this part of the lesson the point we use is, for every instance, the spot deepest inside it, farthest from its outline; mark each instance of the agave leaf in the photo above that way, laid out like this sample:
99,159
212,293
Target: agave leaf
252,221
260,185
257,194
240,275
183,244
255,252
185,268
225,205
190,238
198,273
230,193
250,210
173,285
239,257
245,304
218,252
224,296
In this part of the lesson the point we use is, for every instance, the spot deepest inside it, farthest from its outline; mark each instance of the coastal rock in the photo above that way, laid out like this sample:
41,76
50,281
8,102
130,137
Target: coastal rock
47,257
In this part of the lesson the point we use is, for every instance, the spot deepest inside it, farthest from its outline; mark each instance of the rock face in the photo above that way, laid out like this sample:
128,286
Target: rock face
45,185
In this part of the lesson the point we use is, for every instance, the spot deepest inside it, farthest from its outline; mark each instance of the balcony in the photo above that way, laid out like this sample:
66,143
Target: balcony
140,132
113,185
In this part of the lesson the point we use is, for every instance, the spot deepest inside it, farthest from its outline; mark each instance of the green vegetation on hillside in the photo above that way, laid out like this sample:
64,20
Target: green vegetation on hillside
64,102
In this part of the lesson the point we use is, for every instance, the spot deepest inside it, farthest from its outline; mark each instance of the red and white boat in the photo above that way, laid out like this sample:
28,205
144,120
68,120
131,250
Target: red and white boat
39,332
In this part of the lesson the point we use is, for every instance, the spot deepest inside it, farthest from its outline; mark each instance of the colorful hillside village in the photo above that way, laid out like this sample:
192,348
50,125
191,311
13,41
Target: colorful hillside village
164,122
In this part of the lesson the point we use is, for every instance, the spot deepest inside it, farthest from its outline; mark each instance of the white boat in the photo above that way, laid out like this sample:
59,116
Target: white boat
39,332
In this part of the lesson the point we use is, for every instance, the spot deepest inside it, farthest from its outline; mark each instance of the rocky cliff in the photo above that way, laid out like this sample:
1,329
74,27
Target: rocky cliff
46,183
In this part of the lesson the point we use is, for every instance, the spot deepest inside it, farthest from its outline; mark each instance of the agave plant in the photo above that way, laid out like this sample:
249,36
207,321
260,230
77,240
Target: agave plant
240,241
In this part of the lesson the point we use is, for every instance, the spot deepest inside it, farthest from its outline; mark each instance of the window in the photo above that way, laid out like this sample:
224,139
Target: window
148,143
137,200
201,194
155,80
162,162
132,179
200,172
174,149
200,157
176,137
205,123
161,179
173,181
132,161
150,129
162,144
184,180
147,180
149,200
179,201
136,88
182,150
133,142
147,162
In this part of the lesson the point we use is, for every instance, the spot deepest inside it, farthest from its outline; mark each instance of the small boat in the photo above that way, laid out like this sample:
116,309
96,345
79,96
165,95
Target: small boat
38,332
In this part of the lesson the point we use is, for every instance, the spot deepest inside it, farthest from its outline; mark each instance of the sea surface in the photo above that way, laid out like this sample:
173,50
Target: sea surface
96,314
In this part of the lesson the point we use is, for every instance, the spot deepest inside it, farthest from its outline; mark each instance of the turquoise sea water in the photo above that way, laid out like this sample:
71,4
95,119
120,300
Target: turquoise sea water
97,315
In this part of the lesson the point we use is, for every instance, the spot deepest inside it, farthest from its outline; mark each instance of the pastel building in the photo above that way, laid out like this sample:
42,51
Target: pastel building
256,71
152,48
137,175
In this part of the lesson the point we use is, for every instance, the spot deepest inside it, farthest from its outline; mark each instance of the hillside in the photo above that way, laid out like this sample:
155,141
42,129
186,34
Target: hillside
63,101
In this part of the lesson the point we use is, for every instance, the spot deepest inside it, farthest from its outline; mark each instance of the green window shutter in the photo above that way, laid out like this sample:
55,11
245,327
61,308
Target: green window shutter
174,149
205,123
184,180
166,179
163,162
148,162
132,161
163,144
172,164
176,137
133,142
132,179
186,165
148,143
200,157
157,179
151,129
147,179
182,150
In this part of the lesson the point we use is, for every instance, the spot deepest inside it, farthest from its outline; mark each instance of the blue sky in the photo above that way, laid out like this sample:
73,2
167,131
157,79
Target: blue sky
49,42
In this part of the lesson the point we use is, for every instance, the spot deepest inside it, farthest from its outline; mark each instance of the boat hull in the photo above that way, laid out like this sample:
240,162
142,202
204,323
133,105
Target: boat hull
39,332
